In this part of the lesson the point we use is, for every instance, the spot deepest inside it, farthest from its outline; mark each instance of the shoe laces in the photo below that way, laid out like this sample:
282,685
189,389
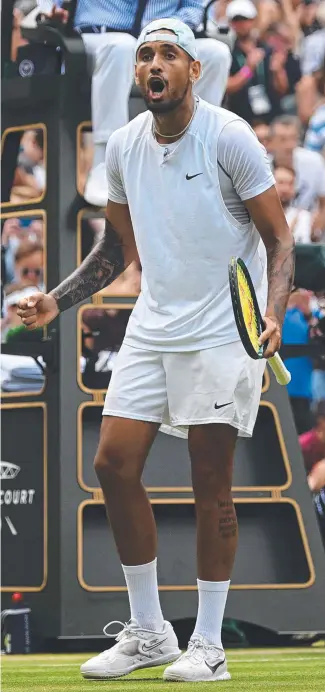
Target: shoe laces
198,647
129,629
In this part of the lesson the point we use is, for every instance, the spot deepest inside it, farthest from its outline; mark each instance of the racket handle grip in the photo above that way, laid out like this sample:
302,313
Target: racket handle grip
282,375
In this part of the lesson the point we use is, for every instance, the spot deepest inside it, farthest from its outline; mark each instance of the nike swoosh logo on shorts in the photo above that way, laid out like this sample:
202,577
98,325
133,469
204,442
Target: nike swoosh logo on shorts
215,667
158,642
189,177
222,405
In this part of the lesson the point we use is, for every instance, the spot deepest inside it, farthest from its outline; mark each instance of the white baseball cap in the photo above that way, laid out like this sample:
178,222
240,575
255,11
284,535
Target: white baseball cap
183,35
241,8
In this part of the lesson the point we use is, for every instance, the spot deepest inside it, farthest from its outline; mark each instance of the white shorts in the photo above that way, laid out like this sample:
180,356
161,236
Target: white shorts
214,385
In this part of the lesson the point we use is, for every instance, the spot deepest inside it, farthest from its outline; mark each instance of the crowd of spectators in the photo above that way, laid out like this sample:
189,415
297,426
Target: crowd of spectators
270,57
23,273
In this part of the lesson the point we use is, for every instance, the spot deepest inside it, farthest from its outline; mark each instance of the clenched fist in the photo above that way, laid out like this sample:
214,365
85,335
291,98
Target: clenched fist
37,310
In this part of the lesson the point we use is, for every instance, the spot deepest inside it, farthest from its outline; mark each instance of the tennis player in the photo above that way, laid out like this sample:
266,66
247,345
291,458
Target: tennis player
189,187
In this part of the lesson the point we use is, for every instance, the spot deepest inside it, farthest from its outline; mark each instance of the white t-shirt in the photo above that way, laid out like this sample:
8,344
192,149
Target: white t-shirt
184,232
300,223
310,178
313,52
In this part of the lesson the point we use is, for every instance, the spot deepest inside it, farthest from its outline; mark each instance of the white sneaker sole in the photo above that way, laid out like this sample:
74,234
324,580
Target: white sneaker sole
163,660
173,677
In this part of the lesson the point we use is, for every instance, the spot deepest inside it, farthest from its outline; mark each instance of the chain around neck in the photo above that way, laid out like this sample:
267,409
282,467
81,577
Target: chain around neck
156,132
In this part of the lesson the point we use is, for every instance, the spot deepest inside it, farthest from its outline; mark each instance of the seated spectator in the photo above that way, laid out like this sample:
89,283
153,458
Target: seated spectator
29,264
296,330
263,133
106,30
258,75
299,220
309,168
315,135
30,175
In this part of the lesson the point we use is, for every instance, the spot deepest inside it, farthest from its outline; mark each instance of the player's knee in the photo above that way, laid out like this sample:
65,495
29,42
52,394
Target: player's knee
211,482
112,463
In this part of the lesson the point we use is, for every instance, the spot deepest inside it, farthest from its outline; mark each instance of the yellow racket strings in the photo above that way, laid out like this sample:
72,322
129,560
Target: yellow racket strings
247,305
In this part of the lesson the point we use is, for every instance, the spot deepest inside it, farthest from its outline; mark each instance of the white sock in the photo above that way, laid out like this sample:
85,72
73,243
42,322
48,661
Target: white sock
142,584
99,153
212,603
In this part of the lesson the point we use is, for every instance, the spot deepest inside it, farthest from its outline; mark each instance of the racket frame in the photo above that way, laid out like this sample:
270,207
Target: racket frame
238,313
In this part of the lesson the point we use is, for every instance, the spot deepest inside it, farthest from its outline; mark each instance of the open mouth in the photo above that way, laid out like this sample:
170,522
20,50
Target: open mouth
156,86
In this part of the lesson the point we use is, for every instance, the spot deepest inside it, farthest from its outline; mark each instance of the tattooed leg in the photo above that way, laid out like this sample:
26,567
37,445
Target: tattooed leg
212,449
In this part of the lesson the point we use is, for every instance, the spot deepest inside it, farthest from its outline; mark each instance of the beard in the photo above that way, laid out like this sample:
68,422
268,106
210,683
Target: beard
166,106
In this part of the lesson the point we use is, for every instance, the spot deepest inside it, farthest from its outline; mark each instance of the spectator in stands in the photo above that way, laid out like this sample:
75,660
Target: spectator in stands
299,220
29,264
263,133
106,29
21,9
259,75
312,59
309,168
17,230
296,330
30,175
312,444
315,135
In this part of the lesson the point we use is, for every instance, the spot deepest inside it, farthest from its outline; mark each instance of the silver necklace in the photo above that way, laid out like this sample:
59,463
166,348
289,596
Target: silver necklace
156,132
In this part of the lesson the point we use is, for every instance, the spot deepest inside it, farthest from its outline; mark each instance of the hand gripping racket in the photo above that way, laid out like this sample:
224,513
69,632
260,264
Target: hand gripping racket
248,317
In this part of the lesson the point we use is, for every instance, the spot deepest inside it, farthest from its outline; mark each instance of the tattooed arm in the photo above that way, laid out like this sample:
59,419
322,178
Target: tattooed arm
107,260
104,263
267,214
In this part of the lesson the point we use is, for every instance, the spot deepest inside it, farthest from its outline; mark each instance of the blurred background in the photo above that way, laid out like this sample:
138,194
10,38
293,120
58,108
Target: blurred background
67,84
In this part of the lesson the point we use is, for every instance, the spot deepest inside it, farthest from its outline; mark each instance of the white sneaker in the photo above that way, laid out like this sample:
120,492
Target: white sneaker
136,648
96,188
201,662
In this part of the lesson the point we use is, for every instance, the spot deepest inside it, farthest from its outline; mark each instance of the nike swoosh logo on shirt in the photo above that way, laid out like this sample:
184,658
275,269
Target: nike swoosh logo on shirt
153,646
215,667
189,177
222,405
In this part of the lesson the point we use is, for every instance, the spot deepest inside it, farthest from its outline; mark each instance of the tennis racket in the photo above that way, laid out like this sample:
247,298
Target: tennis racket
248,318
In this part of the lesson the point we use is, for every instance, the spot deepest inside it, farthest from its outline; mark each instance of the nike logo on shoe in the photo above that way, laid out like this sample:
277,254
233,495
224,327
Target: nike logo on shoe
189,177
214,667
222,405
153,644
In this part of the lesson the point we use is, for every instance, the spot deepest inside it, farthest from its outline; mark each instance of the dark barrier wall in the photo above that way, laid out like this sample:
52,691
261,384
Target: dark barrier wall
55,541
